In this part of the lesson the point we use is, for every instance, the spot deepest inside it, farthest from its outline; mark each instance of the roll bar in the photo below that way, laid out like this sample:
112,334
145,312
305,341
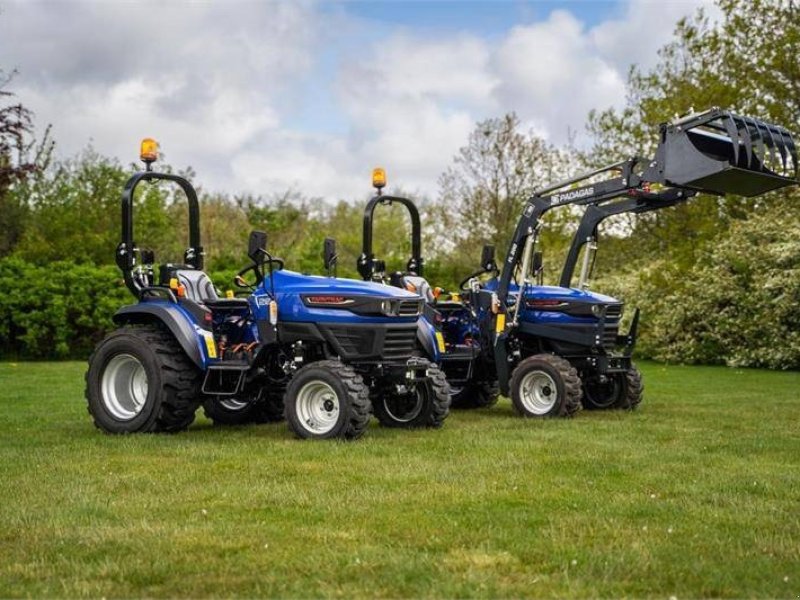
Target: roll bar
366,263
127,249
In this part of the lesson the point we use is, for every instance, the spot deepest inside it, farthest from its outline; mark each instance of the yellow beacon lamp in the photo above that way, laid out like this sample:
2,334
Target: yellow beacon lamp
378,179
148,152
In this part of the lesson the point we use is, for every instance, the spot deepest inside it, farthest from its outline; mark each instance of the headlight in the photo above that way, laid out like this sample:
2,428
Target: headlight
597,310
386,307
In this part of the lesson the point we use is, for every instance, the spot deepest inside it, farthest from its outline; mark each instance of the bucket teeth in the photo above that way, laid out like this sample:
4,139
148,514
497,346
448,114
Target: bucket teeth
720,152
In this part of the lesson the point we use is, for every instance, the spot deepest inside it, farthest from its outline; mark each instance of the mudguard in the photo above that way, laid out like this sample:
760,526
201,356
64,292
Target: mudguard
426,336
178,323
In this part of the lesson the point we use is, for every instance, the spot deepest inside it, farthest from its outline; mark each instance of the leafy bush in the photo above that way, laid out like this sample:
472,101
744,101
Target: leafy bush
738,305
56,310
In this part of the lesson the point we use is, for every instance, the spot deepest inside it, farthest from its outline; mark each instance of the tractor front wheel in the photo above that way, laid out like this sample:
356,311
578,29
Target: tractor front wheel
477,395
620,391
140,380
545,385
327,399
261,407
425,405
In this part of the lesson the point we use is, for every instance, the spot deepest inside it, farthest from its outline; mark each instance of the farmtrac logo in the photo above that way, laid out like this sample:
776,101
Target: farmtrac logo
573,195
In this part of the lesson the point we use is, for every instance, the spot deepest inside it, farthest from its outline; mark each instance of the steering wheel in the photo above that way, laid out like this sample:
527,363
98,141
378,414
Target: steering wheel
274,260
463,285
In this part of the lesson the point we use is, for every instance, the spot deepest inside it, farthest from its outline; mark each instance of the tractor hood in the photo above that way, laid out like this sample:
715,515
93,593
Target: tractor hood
291,282
551,292
319,299
563,305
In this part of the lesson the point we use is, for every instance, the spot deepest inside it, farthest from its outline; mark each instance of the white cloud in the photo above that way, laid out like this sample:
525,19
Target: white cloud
552,75
226,90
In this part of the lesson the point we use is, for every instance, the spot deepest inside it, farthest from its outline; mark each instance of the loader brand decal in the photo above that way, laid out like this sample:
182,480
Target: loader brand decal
262,300
573,195
528,210
512,253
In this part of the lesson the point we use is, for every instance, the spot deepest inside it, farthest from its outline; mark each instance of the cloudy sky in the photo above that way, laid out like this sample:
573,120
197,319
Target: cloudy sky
263,96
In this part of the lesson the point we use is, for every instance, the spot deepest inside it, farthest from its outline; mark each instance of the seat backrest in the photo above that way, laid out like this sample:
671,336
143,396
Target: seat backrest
419,285
198,285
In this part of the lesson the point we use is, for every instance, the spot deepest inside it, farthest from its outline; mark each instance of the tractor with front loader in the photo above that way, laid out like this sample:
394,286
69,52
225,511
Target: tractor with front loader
553,348
318,350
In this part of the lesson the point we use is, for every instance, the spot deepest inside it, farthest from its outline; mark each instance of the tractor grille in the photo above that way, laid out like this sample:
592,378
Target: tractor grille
610,333
408,308
372,343
613,311
399,344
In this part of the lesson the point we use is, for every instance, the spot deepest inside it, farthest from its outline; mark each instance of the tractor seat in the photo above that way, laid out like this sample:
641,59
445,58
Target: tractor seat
419,285
198,285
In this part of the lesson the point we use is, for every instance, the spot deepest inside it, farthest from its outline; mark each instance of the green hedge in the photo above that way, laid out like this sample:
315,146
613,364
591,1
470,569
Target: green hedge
56,310
739,305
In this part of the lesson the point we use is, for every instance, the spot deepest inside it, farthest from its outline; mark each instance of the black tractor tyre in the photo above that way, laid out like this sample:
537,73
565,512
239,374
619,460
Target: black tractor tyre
231,410
270,408
263,407
604,395
427,406
327,399
544,385
476,395
619,391
634,389
140,380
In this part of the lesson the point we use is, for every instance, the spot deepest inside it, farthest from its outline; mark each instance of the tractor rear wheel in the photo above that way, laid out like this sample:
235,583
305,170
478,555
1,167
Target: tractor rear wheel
327,399
140,380
425,405
545,385
477,395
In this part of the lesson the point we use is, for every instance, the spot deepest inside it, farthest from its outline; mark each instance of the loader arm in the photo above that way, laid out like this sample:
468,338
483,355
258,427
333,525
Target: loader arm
713,152
641,202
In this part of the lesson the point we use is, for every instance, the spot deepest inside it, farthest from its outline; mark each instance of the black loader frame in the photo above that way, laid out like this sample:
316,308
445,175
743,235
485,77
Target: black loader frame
714,152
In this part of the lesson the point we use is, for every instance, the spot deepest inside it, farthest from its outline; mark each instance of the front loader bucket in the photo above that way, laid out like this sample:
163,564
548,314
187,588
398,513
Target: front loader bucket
722,153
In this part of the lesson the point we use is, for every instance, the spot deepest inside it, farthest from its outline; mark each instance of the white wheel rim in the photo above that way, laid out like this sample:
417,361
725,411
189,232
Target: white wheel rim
538,392
234,405
408,415
317,407
123,387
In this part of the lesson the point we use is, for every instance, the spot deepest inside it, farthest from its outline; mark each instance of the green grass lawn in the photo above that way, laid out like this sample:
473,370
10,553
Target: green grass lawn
696,494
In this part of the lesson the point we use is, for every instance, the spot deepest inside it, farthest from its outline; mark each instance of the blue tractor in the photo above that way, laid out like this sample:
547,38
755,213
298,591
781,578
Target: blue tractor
324,352
553,349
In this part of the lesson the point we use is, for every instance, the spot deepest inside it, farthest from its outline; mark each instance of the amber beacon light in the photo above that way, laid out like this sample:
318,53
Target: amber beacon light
148,152
378,178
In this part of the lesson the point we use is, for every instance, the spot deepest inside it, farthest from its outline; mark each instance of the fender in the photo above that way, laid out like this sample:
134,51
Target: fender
173,318
426,336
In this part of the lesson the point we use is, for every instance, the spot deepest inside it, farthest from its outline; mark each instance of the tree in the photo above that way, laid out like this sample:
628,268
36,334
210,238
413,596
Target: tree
482,193
19,157
744,61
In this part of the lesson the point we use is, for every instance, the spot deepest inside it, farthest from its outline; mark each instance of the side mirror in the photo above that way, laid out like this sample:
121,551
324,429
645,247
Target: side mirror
257,247
329,256
487,258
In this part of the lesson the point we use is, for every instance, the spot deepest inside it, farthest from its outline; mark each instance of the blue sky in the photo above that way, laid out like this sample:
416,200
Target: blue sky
256,95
